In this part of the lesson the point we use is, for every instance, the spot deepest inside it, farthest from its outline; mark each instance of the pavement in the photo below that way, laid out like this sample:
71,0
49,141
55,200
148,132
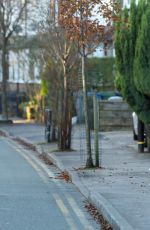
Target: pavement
120,189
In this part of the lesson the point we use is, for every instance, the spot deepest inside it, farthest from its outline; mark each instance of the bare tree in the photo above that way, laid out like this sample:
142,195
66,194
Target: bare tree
79,20
64,53
12,14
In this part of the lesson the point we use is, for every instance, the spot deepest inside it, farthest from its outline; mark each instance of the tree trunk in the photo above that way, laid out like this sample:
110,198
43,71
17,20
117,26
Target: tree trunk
65,138
148,136
89,161
65,129
4,81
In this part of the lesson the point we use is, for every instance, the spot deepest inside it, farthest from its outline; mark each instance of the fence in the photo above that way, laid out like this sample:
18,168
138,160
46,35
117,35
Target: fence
115,116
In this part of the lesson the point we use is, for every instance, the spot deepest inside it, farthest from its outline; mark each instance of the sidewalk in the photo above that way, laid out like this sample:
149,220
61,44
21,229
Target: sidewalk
120,190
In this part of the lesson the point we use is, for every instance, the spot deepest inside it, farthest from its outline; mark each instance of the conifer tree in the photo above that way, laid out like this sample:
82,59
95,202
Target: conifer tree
127,41
133,58
142,57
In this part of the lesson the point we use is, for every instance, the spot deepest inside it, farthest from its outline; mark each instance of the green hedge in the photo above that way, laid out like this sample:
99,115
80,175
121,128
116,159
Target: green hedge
101,72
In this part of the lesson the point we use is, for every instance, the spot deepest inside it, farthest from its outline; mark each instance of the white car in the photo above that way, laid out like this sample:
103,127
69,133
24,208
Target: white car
135,126
74,120
115,98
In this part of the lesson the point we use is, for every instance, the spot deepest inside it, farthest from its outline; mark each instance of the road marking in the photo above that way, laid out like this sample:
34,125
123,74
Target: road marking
35,159
28,159
65,212
79,213
43,169
58,200
37,164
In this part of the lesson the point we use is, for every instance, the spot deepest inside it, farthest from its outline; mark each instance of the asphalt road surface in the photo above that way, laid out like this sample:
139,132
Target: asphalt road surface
33,197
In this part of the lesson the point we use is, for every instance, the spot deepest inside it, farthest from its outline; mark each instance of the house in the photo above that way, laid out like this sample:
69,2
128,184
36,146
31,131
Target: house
23,56
22,64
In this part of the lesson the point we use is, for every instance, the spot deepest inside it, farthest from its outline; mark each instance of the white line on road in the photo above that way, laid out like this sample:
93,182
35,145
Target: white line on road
22,152
38,165
58,200
79,213
43,169
65,212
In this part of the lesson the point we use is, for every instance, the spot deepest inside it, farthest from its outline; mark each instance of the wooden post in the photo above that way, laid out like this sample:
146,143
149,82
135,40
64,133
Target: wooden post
96,128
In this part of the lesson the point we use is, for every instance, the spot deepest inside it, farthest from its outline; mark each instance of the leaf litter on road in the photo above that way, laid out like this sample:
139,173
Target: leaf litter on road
45,159
98,216
64,175
2,134
25,144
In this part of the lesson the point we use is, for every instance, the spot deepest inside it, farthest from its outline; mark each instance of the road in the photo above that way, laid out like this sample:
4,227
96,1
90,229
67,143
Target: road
33,197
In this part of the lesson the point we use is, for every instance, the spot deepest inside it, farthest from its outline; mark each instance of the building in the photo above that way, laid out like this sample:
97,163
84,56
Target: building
23,52
23,58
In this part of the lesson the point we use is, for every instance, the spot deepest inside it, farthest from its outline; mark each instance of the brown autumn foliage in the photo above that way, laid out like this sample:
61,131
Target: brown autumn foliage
88,21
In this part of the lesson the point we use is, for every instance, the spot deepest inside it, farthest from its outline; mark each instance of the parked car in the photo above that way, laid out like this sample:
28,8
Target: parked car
115,98
135,129
135,126
74,120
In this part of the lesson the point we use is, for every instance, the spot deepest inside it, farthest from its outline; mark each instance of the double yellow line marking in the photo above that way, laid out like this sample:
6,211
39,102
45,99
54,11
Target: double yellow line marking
41,168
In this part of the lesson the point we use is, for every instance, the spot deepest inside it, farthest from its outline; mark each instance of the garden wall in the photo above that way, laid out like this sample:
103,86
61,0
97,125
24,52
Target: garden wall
115,116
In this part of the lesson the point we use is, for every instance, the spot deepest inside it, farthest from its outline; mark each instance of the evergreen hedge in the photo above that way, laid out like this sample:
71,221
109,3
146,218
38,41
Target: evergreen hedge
100,71
133,57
